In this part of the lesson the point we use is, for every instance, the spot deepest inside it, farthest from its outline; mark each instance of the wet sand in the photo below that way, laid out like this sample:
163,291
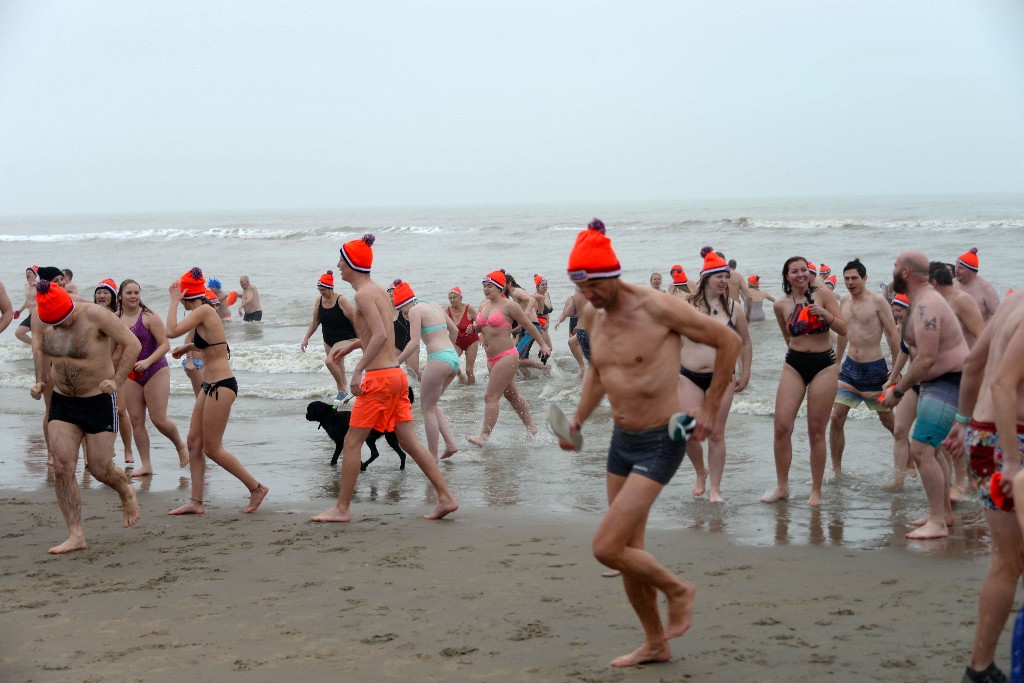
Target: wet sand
495,594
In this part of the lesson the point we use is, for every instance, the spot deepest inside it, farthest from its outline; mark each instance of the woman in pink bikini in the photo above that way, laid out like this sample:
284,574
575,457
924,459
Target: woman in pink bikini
494,324
467,342
149,384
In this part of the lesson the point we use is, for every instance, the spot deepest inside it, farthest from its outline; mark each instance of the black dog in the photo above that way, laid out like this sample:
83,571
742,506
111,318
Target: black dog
335,423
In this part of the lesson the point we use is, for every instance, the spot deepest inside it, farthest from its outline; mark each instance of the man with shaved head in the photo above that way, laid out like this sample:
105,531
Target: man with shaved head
938,350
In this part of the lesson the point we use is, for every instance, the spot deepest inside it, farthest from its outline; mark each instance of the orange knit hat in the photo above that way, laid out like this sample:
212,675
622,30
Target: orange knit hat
326,280
754,280
678,275
592,257
537,279
713,263
53,304
824,270
496,278
108,284
901,300
212,297
455,290
813,268
358,254
831,280
192,284
403,294
969,259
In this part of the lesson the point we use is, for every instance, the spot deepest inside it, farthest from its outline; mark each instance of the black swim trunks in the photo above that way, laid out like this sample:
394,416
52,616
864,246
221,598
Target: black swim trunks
91,414
650,453
253,317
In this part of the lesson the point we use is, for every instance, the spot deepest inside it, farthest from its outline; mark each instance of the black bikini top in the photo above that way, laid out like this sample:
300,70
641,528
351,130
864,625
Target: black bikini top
803,322
201,343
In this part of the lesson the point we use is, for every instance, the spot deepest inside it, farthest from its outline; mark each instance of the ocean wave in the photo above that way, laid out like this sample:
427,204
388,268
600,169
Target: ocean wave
221,232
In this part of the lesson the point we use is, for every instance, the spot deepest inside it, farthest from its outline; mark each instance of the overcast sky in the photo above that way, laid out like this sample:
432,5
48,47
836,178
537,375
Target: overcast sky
179,105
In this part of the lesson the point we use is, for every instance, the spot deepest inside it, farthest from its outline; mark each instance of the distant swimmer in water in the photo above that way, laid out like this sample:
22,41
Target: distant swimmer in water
805,316
251,310
755,313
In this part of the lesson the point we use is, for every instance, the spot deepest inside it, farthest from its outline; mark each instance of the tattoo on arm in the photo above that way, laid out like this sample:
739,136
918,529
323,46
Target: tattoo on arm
932,324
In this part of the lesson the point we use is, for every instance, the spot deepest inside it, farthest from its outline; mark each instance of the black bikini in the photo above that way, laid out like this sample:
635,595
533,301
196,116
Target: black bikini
703,379
801,323
201,343
210,388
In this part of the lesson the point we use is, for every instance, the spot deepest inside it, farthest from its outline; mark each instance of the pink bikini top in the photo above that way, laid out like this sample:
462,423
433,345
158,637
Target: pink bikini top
495,319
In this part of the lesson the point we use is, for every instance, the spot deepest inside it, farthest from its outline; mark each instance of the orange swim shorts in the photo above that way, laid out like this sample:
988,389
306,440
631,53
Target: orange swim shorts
385,400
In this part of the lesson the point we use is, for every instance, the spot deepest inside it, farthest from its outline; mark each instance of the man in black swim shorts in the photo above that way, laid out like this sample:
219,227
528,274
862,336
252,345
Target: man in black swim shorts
71,343
636,335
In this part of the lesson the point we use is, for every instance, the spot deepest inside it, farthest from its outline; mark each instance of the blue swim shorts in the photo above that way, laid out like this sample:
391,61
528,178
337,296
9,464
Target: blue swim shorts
862,383
936,407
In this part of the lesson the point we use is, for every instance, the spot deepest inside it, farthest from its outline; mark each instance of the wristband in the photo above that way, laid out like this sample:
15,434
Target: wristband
962,419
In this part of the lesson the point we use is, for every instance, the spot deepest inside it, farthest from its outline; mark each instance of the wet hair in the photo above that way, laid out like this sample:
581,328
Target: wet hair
700,301
939,272
855,264
120,295
68,274
786,287
510,283
732,264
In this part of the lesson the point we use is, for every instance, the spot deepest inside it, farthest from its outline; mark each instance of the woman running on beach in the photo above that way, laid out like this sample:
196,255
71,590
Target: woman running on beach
697,362
468,341
427,322
149,383
333,314
805,316
494,324
105,295
219,391
757,299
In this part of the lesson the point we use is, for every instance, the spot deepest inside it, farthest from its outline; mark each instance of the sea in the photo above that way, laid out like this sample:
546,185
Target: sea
435,248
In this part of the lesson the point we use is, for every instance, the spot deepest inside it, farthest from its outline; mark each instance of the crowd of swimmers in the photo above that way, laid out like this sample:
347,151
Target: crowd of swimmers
951,386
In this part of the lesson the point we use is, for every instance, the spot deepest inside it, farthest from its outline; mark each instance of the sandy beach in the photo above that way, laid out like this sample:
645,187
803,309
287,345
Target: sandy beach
491,594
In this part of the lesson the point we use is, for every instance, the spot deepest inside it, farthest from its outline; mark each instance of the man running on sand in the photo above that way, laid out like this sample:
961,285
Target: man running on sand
635,337
382,398
76,339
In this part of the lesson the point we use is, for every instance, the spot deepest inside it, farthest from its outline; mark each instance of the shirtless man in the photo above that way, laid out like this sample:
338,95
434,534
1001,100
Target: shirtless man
69,286
76,338
968,280
940,276
382,398
6,309
864,372
738,289
250,310
991,401
938,349
571,310
636,335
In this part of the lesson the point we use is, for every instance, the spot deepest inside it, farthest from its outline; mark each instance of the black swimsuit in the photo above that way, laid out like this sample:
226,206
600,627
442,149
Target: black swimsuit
334,324
202,344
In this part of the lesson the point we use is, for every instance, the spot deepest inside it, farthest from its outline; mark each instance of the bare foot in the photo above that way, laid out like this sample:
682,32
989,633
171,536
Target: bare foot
831,477
645,654
256,497
72,544
183,457
892,485
715,497
472,379
815,498
532,429
956,494
192,507
700,485
921,521
444,507
129,459
680,609
333,514
449,452
779,493
130,506
477,440
930,530
142,472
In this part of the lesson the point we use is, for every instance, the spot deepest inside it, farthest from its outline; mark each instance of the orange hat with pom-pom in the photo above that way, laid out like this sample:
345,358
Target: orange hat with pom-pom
192,284
403,294
592,257
713,263
496,278
678,275
53,304
358,254
969,259
326,280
